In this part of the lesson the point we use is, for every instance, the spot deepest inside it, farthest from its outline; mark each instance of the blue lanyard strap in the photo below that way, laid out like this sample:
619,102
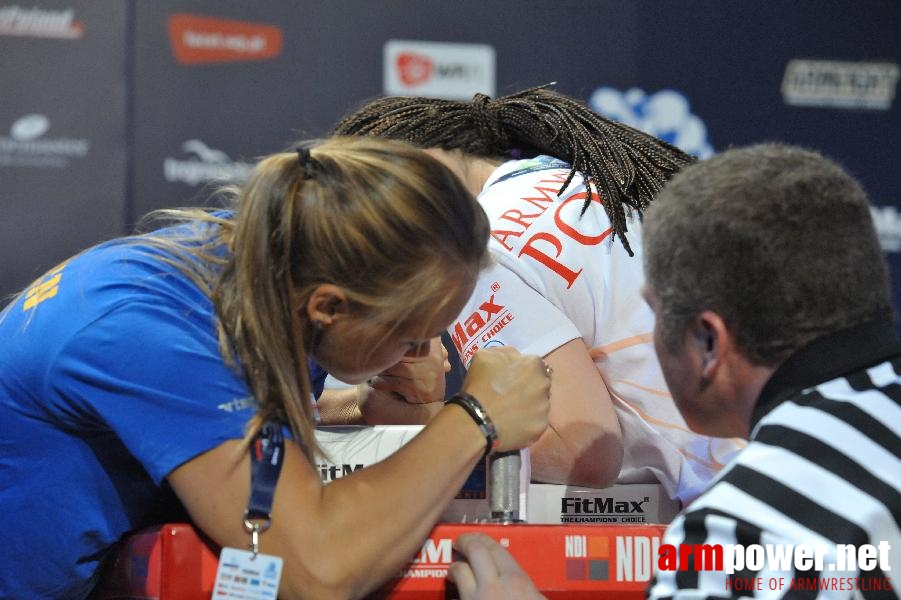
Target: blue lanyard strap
266,456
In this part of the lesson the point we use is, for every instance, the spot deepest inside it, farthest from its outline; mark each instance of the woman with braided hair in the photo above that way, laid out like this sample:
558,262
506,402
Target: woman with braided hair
564,189
149,375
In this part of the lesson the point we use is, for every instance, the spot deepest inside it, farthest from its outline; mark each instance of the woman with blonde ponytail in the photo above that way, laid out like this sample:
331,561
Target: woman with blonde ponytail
134,377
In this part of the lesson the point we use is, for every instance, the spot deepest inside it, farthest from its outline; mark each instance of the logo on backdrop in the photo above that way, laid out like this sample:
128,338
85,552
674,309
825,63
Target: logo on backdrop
36,22
27,146
665,115
838,84
887,221
203,40
207,164
438,69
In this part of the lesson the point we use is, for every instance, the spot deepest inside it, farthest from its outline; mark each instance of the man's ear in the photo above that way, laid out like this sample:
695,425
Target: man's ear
711,339
325,304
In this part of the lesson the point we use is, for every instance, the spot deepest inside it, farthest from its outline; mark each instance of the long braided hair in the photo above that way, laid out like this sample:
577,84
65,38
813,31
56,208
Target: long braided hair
628,167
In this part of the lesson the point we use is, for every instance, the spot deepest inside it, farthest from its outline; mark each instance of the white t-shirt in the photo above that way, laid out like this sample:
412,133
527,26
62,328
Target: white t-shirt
557,277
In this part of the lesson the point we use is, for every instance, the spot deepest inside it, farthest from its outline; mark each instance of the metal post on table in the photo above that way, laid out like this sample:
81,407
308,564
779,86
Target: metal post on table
503,486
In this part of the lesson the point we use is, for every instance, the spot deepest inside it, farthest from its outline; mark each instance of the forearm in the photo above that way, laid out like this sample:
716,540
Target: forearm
339,407
363,405
384,408
583,444
343,539
403,496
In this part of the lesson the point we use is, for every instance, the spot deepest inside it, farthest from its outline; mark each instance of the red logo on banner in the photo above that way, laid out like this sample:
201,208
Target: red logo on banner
414,68
199,40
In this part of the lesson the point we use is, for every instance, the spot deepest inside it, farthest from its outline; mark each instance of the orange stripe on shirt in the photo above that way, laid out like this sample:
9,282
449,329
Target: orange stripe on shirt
711,461
636,340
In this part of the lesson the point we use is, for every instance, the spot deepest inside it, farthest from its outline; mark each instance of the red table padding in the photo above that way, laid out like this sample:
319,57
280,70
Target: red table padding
172,562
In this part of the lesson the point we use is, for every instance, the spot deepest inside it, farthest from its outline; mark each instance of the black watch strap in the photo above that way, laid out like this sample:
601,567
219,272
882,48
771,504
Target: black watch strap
478,413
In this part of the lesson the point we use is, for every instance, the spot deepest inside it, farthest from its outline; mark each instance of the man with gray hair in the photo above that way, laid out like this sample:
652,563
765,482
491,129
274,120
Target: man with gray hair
774,322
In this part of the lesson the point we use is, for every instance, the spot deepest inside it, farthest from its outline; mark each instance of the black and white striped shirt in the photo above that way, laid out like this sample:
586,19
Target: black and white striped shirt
822,468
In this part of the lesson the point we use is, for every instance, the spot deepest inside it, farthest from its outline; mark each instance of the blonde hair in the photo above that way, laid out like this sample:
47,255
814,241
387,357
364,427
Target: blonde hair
390,225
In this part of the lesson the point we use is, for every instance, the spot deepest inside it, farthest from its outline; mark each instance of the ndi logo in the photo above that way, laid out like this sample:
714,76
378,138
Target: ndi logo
665,115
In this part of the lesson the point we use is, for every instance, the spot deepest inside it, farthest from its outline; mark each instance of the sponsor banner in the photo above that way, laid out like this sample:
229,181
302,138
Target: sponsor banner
438,69
624,503
39,22
840,84
563,561
887,221
353,447
202,40
665,114
27,145
204,164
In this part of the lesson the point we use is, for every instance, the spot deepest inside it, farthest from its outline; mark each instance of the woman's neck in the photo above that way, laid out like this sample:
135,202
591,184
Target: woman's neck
473,171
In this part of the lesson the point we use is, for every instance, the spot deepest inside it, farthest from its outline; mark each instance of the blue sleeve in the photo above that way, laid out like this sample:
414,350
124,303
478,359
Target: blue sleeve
153,375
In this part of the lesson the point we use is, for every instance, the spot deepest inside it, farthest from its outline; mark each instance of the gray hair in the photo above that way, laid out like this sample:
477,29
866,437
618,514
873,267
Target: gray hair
778,240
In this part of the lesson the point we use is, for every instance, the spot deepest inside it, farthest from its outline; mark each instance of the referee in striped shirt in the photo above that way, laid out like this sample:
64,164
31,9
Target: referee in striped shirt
774,322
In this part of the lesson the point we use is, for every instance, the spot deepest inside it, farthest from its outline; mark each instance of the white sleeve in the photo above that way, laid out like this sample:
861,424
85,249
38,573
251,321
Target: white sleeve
505,311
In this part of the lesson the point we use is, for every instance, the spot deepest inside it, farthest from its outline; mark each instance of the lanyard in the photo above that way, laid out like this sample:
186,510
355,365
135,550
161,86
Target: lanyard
266,456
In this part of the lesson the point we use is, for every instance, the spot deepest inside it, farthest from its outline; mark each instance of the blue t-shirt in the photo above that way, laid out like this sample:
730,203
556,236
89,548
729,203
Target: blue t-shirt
110,378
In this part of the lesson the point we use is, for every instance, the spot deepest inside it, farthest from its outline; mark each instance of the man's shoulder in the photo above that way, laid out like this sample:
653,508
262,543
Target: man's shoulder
869,394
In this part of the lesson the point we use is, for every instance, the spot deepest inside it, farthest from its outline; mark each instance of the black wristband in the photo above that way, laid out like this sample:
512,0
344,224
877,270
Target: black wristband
478,413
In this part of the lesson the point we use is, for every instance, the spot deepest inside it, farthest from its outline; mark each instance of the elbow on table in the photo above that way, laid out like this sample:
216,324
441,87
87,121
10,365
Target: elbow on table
599,464
586,458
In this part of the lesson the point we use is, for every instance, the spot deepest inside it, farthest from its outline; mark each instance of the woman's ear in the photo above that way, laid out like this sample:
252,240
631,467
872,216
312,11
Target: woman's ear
325,304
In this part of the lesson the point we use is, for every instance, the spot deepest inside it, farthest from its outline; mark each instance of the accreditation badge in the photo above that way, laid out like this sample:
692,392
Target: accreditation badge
246,575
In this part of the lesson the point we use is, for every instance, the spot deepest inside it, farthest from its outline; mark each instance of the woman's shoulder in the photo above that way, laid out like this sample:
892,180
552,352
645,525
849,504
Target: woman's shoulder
524,170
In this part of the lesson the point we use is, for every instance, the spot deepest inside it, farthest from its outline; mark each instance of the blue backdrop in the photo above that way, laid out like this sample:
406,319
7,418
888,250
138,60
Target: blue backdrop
112,108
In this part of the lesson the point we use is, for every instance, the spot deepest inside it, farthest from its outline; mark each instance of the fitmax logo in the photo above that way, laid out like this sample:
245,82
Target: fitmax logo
474,323
596,506
329,472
